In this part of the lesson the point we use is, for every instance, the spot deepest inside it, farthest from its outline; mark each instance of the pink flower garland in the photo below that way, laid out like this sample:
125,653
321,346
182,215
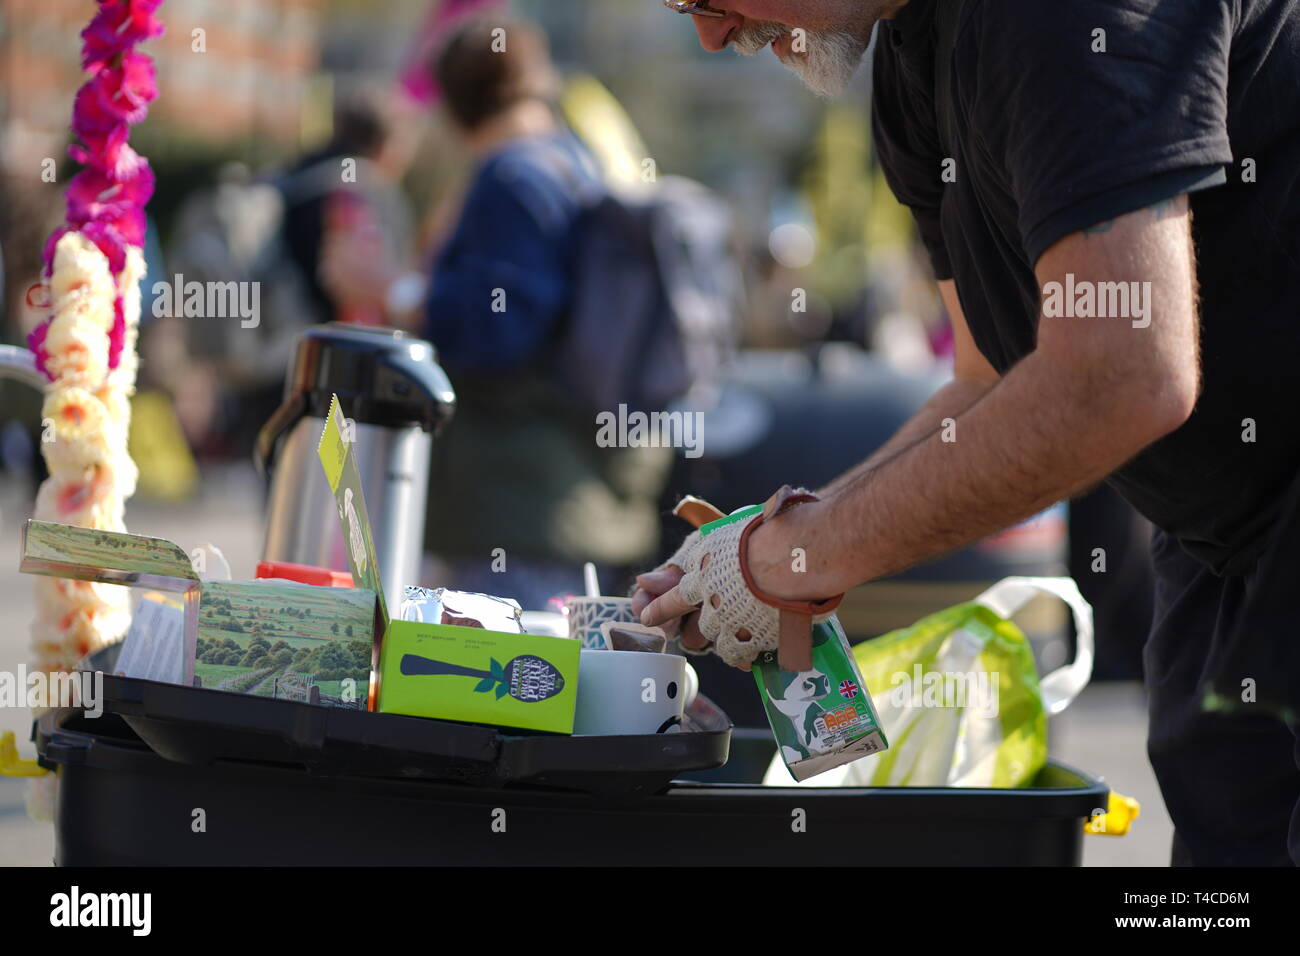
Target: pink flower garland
106,199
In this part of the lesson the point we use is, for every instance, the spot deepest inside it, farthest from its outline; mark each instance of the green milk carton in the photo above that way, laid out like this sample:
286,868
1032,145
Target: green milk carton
821,718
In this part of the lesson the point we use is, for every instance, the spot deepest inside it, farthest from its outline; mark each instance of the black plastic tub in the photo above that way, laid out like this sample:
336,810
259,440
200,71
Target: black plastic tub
120,804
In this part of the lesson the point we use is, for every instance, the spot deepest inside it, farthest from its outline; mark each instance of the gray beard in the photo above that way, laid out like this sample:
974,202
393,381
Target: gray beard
832,57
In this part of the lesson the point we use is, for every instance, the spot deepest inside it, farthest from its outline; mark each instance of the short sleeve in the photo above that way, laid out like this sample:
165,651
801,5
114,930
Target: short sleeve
907,144
1095,108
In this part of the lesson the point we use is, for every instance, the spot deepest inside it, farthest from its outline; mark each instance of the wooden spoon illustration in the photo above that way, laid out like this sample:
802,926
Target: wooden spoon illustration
527,678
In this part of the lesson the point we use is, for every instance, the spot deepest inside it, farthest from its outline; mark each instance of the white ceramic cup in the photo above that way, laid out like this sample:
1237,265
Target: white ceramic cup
631,692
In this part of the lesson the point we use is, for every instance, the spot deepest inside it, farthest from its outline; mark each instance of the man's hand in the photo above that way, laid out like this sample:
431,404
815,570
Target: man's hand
700,593
711,572
674,616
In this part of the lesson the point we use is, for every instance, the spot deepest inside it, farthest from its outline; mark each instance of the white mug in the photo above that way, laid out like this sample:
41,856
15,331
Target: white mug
632,692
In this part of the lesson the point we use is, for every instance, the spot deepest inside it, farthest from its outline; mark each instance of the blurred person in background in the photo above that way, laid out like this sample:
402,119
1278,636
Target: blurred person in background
351,185
520,493
271,231
1056,188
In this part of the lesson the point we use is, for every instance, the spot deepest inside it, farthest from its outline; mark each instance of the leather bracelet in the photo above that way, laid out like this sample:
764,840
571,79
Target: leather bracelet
795,642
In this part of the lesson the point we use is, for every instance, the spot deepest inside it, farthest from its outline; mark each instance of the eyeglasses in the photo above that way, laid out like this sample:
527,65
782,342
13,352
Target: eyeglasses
695,8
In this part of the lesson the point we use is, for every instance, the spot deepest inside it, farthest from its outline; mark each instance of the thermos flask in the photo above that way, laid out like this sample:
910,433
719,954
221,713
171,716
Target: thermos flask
395,398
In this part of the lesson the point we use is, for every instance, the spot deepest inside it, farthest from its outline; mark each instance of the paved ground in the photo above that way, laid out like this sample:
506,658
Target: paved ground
1103,732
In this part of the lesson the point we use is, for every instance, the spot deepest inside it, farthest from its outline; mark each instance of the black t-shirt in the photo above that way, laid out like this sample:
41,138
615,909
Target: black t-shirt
1049,137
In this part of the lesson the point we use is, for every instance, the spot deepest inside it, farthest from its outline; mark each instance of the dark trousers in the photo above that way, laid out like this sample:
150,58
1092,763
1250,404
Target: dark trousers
1231,780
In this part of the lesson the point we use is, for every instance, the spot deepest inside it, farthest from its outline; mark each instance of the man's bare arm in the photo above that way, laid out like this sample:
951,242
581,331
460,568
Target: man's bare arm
972,377
1093,393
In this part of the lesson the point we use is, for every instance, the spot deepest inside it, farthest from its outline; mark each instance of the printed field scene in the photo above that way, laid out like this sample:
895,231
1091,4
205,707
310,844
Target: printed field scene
88,554
308,644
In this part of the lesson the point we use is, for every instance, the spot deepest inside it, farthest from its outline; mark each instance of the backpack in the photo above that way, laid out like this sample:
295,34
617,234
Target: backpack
656,297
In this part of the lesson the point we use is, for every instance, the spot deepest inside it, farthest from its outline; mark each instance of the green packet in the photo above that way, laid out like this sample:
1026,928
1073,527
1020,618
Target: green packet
821,718
451,672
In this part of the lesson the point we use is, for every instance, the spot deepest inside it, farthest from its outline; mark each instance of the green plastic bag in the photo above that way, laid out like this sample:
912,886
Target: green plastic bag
959,697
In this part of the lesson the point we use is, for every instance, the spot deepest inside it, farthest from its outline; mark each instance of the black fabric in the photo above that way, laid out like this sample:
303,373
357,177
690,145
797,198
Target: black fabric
1121,594
1050,137
1231,780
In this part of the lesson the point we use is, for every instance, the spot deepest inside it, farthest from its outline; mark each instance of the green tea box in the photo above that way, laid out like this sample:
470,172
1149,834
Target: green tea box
479,676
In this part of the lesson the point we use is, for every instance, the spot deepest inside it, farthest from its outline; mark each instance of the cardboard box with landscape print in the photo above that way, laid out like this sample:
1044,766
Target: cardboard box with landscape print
286,640
270,638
